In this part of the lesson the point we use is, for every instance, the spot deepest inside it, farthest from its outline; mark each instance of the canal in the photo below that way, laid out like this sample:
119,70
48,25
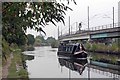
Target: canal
46,64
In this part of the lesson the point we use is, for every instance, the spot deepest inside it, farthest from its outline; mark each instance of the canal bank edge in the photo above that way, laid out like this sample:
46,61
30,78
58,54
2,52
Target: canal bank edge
15,69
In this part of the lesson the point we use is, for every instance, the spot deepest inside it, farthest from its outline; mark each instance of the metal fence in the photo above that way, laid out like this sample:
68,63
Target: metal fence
102,27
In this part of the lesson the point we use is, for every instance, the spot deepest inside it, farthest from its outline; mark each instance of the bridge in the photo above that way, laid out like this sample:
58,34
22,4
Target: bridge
99,32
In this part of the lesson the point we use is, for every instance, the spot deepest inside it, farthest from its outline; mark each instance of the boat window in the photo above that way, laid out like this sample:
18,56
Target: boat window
74,48
70,48
77,49
66,48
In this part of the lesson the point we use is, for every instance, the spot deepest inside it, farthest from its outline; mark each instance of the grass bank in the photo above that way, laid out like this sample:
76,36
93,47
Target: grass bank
16,69
0,66
101,47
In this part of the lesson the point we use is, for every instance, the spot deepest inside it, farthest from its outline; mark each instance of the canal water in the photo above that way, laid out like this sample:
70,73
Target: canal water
46,64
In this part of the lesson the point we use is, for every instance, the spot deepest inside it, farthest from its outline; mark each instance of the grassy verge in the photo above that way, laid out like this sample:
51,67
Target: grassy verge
0,57
16,69
105,56
102,47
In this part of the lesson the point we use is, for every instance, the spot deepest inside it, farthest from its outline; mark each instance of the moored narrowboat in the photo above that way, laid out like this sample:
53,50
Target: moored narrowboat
72,50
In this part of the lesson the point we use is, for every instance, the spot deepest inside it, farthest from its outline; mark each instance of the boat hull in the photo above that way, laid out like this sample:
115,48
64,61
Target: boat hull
80,55
66,54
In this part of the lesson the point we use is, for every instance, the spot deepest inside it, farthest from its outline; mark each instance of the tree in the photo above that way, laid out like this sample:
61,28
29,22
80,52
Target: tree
31,39
39,40
50,40
18,16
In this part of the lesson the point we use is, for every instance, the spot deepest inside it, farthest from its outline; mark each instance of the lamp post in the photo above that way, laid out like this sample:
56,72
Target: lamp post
77,26
113,17
80,26
69,25
88,18
88,26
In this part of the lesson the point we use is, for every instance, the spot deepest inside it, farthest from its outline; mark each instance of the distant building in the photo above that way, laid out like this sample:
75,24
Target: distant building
119,13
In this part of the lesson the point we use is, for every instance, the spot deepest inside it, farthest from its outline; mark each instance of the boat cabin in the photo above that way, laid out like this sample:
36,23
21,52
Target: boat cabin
69,48
72,50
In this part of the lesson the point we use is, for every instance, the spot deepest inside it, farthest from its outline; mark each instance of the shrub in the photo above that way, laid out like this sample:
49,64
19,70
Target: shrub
23,73
88,46
94,47
30,48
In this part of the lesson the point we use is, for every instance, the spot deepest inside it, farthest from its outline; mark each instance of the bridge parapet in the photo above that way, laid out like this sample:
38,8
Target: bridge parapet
104,27
93,30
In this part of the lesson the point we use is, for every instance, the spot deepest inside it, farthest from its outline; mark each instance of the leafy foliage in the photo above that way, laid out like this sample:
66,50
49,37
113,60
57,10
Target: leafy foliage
50,40
40,41
18,16
31,39
5,49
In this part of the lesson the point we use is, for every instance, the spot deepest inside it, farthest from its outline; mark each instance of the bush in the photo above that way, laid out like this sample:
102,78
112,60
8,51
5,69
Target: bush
94,47
114,47
23,48
102,47
5,51
88,46
30,48
54,44
23,73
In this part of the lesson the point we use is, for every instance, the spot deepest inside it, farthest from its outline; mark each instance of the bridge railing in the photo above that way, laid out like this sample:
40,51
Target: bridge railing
102,27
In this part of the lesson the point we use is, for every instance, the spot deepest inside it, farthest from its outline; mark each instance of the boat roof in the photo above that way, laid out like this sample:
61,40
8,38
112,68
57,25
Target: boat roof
73,44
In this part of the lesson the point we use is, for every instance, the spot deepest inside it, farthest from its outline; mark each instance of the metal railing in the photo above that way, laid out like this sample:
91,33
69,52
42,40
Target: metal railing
102,27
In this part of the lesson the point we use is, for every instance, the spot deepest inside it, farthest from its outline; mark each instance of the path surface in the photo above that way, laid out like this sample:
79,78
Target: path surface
6,67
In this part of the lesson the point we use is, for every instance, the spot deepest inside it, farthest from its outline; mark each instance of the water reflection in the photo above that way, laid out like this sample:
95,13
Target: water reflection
49,65
106,68
73,64
28,57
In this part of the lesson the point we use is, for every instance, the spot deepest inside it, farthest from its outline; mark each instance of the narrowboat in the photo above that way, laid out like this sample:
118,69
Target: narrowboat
72,50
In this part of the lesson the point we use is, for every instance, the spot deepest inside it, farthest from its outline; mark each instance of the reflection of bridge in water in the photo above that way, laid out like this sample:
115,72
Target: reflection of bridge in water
80,65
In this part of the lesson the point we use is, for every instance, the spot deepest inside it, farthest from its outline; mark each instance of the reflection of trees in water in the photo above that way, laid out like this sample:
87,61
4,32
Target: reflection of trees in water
105,64
26,57
104,71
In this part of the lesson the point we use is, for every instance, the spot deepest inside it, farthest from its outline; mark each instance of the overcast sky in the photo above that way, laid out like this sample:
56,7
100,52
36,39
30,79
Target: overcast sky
101,13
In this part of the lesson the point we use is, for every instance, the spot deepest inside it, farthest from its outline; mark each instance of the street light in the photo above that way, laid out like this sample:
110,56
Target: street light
80,26
77,26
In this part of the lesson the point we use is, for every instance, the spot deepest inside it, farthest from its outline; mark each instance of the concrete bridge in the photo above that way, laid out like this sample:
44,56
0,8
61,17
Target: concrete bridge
99,32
